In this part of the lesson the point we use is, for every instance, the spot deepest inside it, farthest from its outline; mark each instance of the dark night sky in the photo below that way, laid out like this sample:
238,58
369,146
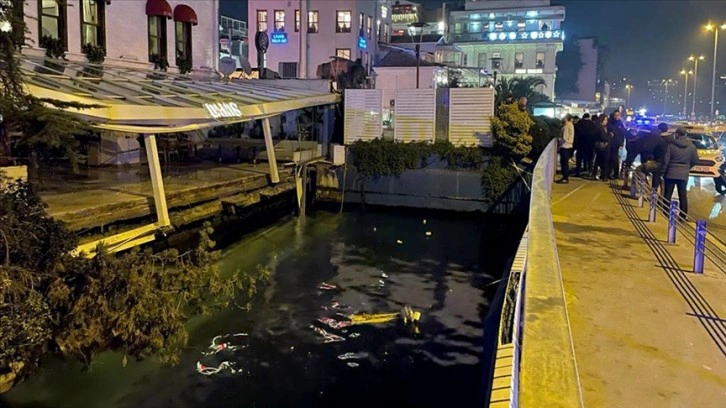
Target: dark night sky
648,39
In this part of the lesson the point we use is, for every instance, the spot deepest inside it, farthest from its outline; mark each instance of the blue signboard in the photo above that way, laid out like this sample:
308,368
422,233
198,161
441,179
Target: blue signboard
278,38
362,43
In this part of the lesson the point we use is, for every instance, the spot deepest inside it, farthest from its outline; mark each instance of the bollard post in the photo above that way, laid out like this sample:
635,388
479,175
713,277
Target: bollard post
653,206
632,185
700,248
641,189
672,220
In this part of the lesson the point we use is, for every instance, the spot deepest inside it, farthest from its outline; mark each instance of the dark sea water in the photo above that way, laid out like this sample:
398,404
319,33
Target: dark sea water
381,262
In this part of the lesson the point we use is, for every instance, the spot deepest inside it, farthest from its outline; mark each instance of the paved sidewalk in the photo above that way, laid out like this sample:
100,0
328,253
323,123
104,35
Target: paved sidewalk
647,331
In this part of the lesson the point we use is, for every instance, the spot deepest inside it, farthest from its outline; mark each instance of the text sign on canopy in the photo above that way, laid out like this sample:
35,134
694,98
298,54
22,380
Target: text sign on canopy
223,110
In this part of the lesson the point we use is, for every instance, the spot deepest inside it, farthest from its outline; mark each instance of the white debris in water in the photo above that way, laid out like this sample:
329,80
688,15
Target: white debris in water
383,275
374,229
353,364
424,222
428,233
354,335
398,241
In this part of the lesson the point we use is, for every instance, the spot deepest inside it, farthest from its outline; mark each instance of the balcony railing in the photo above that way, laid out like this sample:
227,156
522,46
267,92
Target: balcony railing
511,36
233,27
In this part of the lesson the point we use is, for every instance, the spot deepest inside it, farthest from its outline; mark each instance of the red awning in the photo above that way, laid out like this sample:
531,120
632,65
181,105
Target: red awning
185,14
158,8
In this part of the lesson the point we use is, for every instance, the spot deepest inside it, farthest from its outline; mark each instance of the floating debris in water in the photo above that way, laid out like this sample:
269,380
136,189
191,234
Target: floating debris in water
226,365
398,241
354,335
428,233
337,306
218,345
383,275
381,282
328,337
334,324
353,356
353,364
327,286
375,229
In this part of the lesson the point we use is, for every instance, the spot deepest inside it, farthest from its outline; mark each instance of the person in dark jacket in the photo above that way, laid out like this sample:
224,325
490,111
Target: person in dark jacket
652,154
585,133
680,156
617,129
602,149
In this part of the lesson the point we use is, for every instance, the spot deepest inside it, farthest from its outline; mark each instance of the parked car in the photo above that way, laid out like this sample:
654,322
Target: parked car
711,157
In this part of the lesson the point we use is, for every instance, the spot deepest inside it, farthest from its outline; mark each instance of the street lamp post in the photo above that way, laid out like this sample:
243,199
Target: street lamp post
417,29
666,82
695,80
685,89
628,88
715,29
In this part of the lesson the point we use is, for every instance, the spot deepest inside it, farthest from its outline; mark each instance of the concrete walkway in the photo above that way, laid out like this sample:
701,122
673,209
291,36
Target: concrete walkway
647,331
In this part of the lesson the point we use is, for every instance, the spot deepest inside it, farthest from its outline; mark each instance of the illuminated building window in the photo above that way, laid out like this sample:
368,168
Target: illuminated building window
342,52
53,19
280,20
261,20
157,36
369,27
361,22
313,24
540,60
297,20
92,22
342,21
518,60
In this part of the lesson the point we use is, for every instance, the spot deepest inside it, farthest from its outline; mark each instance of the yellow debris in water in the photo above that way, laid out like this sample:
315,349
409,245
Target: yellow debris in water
365,318
428,233
398,241
424,221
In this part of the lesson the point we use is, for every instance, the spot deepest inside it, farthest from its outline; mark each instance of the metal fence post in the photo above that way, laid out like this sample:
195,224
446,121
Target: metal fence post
633,179
672,219
640,192
653,206
700,247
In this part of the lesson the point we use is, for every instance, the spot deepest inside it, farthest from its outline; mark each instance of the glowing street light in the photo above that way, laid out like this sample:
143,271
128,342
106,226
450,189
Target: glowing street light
685,91
715,29
628,88
695,80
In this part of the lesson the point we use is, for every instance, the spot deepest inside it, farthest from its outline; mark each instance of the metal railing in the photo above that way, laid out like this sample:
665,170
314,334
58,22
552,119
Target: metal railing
694,231
535,360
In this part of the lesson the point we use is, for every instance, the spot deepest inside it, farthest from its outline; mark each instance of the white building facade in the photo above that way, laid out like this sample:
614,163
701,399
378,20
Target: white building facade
133,33
306,33
514,39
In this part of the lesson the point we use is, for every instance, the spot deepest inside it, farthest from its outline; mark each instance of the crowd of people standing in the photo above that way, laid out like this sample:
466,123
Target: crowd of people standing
599,142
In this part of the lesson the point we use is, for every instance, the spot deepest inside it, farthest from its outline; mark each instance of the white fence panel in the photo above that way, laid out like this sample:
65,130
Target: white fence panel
363,115
415,115
470,110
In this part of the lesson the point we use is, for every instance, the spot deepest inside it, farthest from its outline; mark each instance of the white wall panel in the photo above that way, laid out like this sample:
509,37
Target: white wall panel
470,110
363,119
415,115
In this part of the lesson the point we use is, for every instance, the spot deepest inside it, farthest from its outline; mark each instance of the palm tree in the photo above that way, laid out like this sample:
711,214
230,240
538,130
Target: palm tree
521,87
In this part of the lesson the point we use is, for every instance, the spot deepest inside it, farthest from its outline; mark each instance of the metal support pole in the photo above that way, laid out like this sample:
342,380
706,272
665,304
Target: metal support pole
700,247
633,191
713,78
672,220
418,62
641,199
270,148
157,181
653,206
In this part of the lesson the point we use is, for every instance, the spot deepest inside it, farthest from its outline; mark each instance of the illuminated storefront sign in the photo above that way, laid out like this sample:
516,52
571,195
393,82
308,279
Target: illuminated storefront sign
278,38
219,110
527,35
362,44
384,11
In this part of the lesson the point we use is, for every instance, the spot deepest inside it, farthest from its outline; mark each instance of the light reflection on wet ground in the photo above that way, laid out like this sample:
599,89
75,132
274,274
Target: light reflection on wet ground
283,363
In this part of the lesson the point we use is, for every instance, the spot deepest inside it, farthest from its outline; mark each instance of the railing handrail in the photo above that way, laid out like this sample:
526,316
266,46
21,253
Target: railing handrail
534,330
549,376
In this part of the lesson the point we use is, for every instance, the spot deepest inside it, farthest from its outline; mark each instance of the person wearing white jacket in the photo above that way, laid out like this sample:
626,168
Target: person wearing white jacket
567,144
